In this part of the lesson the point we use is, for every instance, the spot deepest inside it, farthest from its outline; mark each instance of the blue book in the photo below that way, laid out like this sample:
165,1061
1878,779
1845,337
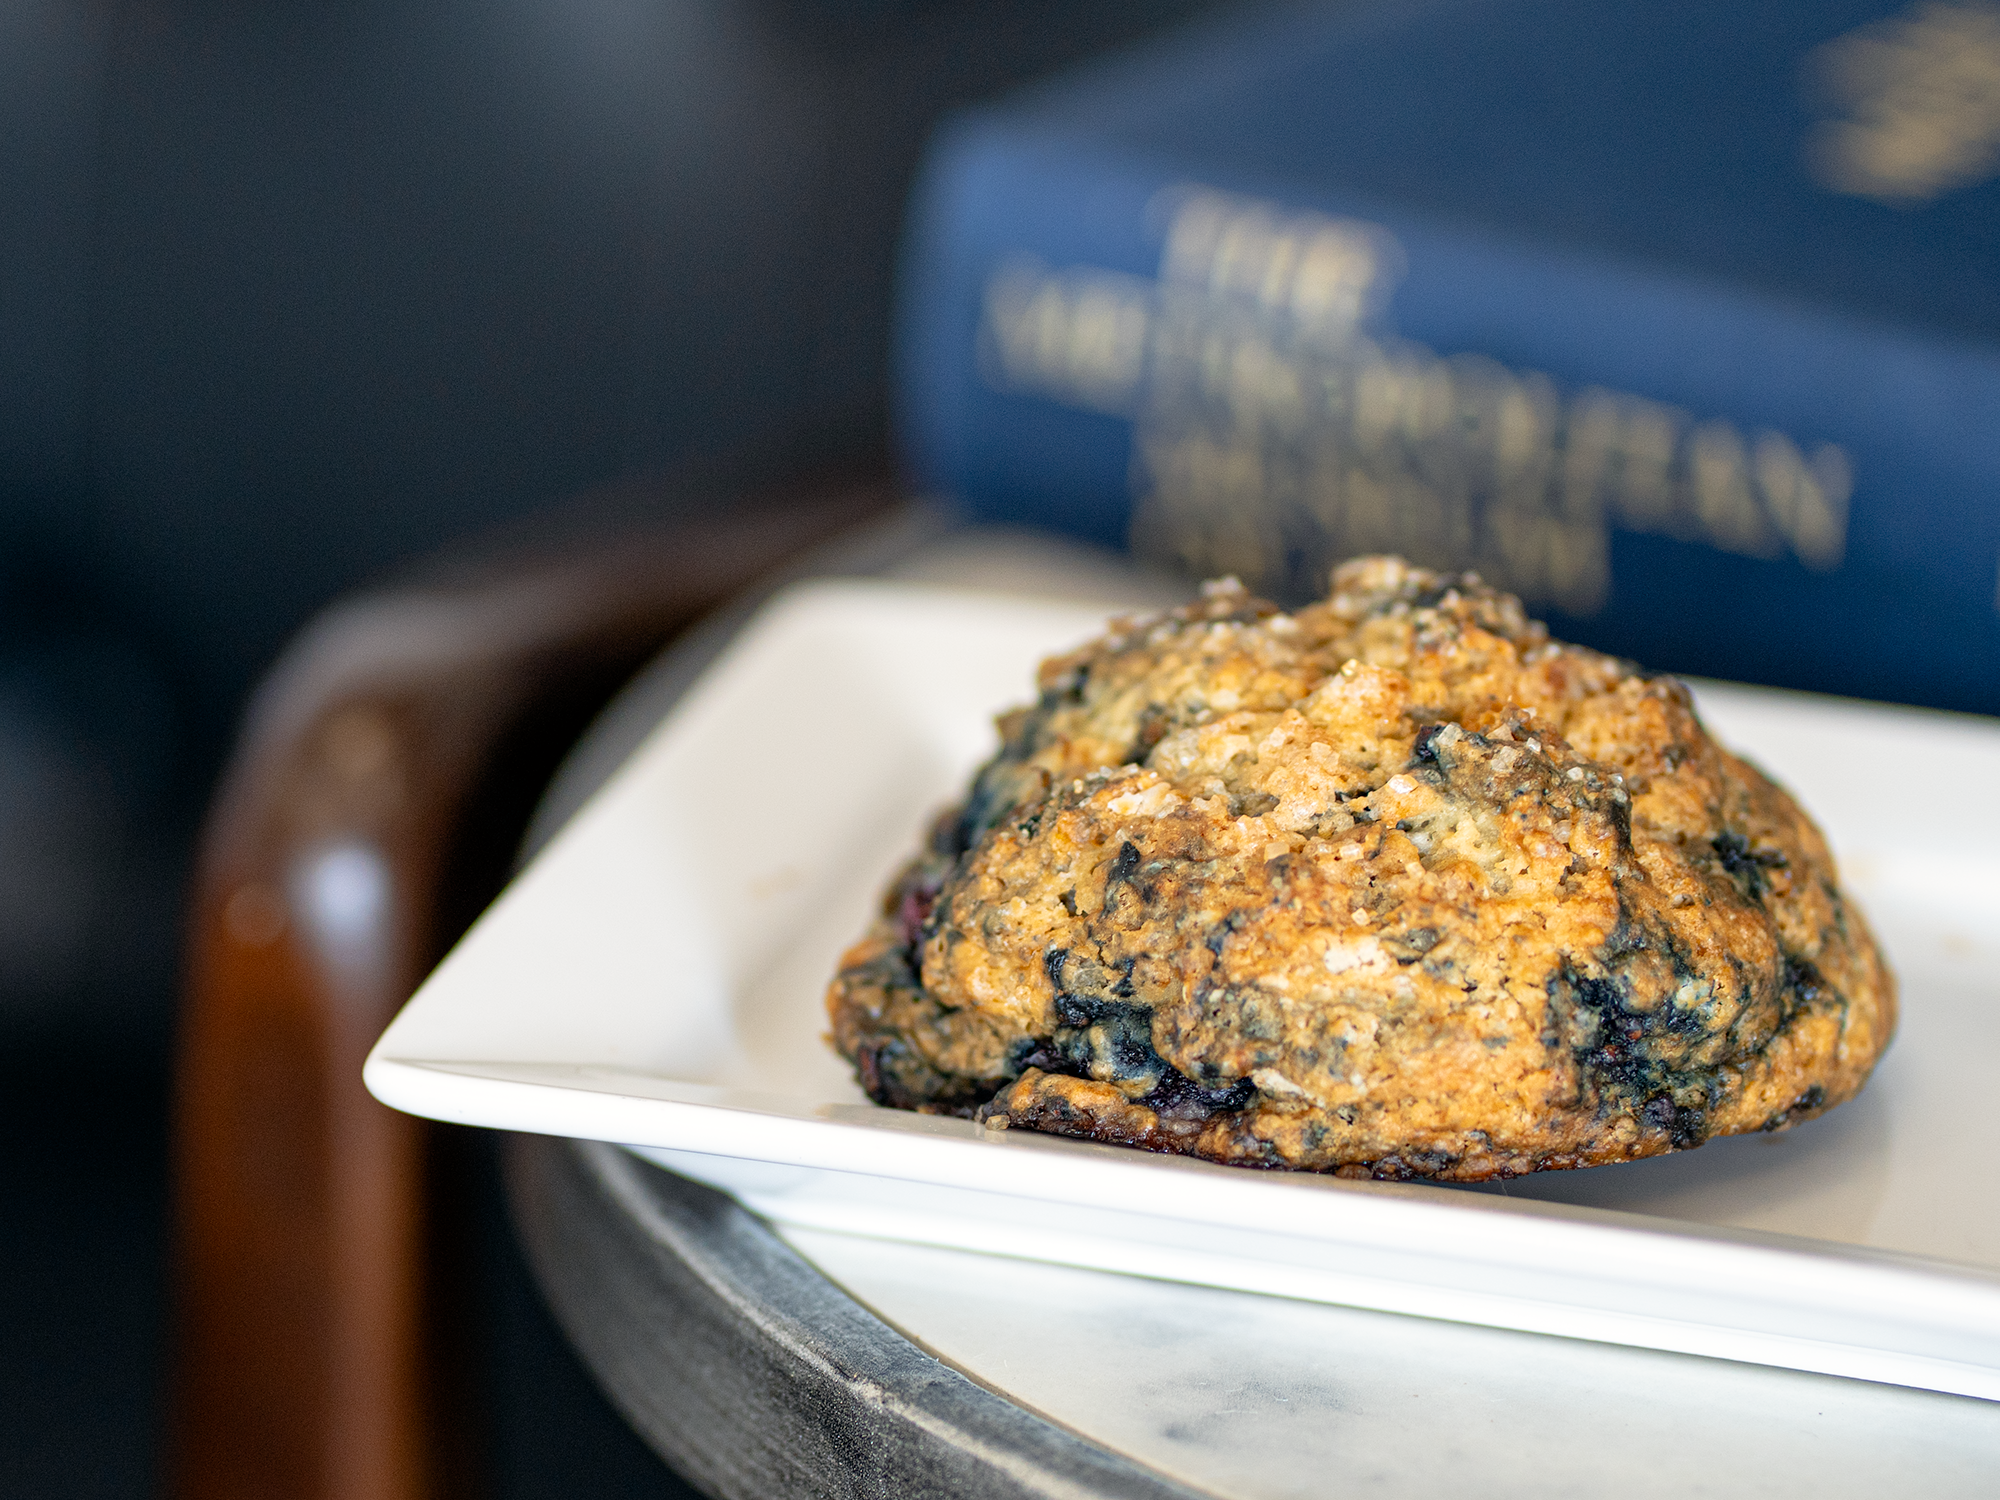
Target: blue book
1682,321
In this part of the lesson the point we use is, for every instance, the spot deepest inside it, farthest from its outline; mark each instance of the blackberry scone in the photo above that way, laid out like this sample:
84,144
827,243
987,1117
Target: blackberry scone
1393,886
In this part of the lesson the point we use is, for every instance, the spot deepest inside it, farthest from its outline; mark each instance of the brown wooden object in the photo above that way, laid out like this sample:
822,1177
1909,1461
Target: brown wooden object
377,794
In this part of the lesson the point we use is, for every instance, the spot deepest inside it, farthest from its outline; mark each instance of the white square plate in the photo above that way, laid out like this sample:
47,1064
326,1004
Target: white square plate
655,977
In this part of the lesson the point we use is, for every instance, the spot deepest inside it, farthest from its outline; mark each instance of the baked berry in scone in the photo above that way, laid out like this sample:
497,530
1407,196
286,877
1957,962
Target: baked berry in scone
1394,885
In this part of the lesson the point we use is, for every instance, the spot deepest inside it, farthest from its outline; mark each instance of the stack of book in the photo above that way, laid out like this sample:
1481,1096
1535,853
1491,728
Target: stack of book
1681,321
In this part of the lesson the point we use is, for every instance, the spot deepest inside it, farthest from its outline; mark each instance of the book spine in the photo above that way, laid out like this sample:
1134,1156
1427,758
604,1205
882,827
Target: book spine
1237,379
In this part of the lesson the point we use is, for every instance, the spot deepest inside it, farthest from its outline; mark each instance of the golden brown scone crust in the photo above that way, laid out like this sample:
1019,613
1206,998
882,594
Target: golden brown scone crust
1392,886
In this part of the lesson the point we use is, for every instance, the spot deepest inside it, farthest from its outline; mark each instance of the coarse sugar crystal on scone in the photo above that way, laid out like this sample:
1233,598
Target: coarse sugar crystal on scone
1394,885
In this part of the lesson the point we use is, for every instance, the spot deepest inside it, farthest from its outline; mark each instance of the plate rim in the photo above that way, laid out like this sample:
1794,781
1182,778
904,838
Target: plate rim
483,1092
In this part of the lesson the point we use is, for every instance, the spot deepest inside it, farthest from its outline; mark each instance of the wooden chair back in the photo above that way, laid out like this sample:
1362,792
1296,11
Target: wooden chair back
373,806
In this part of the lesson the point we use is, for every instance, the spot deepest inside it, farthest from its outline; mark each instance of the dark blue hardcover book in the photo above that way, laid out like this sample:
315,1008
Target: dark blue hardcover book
1681,320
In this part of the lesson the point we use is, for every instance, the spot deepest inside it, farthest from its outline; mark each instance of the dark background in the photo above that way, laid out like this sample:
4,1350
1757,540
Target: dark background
291,293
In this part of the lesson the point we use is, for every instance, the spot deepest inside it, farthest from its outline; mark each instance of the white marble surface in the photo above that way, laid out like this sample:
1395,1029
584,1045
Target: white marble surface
1261,1398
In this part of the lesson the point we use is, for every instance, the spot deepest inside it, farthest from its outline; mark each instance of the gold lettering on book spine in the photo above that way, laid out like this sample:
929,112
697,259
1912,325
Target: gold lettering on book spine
1918,101
1273,434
